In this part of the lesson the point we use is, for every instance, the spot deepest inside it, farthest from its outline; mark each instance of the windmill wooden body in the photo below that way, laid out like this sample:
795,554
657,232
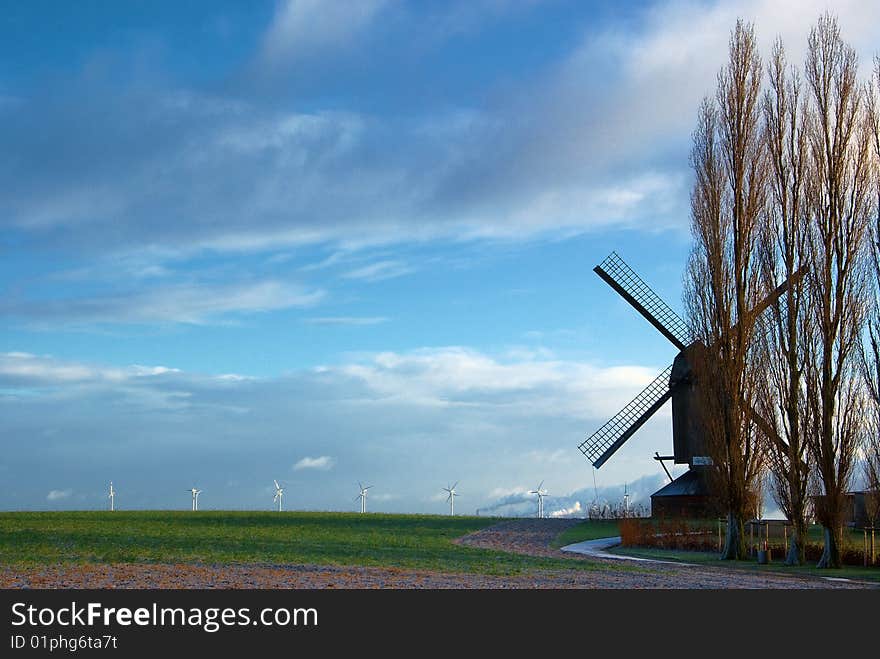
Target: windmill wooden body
687,495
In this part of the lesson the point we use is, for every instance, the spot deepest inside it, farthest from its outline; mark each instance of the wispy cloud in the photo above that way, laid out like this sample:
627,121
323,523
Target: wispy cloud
379,271
321,463
306,28
58,495
182,303
561,151
27,369
347,320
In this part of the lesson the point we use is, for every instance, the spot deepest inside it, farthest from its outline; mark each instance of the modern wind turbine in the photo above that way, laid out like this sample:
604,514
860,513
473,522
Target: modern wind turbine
279,493
625,501
541,494
195,497
112,497
363,496
451,498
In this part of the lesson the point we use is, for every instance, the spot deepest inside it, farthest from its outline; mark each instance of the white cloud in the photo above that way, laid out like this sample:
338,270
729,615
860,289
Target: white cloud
458,376
321,463
24,368
58,495
306,28
410,422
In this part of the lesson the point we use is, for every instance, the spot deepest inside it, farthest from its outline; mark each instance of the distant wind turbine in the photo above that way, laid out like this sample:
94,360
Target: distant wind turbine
451,498
112,497
363,496
195,497
541,494
279,493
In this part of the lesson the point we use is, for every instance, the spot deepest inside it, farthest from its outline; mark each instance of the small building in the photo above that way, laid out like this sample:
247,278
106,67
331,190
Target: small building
856,508
685,497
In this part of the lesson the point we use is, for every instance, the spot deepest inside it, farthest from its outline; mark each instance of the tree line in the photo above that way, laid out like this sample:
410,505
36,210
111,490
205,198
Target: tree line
782,283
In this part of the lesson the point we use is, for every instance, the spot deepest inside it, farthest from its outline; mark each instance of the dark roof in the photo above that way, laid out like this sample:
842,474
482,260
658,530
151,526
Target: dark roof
691,483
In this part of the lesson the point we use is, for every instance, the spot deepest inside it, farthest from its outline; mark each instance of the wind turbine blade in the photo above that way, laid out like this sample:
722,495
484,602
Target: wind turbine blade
454,485
277,486
540,485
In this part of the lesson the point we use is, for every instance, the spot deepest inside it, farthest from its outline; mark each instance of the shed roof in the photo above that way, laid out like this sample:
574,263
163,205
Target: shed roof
691,483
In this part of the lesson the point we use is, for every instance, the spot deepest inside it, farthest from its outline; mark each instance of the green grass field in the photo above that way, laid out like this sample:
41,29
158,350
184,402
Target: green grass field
587,530
411,541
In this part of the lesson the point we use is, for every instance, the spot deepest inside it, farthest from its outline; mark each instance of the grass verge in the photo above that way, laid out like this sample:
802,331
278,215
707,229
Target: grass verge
710,559
588,529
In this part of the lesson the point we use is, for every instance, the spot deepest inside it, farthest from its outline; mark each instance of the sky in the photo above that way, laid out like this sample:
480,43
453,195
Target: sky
326,243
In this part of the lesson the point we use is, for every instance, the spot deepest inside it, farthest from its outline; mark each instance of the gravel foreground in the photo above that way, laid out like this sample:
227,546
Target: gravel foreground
524,536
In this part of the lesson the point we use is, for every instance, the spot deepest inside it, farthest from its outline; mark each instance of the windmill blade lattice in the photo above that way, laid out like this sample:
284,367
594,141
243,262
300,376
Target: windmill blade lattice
642,297
602,444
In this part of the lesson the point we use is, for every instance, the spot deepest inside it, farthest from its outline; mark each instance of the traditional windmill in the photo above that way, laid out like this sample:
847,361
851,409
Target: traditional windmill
687,495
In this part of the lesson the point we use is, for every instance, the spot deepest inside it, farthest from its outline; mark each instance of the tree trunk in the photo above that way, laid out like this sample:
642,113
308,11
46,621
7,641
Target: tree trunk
797,546
734,539
831,552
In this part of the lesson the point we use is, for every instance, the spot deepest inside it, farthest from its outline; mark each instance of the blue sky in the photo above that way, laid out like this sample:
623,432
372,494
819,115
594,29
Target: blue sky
331,242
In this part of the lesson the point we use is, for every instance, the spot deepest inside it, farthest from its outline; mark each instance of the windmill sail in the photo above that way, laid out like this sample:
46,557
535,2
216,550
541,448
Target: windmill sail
602,444
634,290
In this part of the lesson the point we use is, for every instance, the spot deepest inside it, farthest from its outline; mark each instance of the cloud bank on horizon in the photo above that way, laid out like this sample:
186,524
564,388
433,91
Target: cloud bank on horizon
355,236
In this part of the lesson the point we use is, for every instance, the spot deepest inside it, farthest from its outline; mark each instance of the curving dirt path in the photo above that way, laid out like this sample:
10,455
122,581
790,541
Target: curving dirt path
526,536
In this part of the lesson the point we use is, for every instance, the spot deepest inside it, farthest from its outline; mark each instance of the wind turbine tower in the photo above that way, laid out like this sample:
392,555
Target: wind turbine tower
541,494
279,493
363,496
195,498
451,498
112,497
